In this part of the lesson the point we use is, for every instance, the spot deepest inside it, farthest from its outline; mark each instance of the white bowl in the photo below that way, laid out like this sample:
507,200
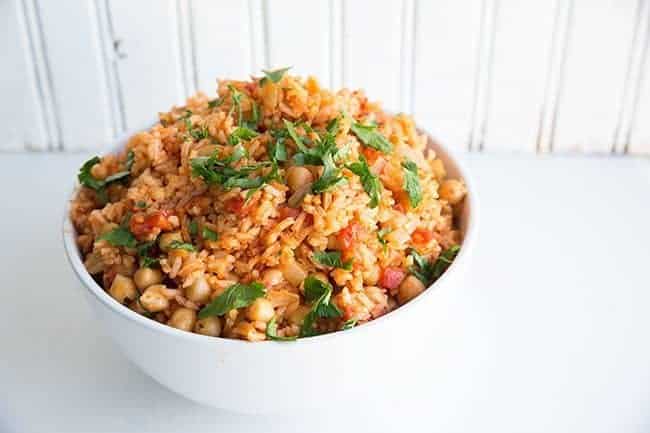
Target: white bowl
271,377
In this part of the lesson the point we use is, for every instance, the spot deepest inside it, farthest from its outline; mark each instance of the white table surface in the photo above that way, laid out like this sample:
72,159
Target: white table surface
557,316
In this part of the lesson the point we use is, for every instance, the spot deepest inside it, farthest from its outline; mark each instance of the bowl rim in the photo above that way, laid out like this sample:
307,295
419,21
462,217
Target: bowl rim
469,239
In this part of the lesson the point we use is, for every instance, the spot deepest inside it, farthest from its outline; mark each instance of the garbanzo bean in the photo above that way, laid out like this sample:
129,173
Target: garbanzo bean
145,277
123,289
272,277
298,176
183,318
298,315
199,291
260,310
452,190
209,326
409,289
167,238
153,299
293,272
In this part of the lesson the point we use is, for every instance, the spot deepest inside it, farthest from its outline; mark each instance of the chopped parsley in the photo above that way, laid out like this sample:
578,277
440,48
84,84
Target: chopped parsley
319,293
370,182
274,76
178,245
380,237
277,150
332,259
349,324
371,137
215,103
119,237
144,253
193,228
99,185
272,332
209,235
428,272
236,296
330,178
141,205
412,183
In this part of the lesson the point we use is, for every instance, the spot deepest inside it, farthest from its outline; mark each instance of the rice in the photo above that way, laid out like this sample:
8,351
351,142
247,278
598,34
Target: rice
277,210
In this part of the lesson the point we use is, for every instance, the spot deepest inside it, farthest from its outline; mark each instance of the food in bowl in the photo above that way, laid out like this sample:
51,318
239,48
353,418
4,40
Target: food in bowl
278,210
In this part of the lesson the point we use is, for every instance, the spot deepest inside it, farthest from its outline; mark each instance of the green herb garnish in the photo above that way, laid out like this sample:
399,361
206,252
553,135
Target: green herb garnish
193,228
428,272
99,186
144,253
349,324
371,137
412,183
332,259
241,133
380,237
236,296
119,237
277,150
141,205
330,178
272,332
215,102
319,293
370,182
209,235
274,76
178,245
236,96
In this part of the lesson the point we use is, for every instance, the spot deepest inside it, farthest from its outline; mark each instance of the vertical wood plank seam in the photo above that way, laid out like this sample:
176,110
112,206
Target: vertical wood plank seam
184,49
641,77
617,146
344,51
193,45
103,38
115,73
406,54
38,60
251,33
561,73
335,41
414,51
260,45
266,36
548,80
488,72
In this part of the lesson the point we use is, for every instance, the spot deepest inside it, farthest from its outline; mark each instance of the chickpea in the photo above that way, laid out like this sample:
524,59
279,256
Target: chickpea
409,289
167,238
298,315
209,326
206,150
247,331
199,291
183,318
261,310
293,272
145,277
153,300
122,289
298,176
272,277
452,190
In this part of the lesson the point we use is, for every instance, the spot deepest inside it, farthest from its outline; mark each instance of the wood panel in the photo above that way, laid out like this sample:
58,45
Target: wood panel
521,58
78,81
149,66
447,36
22,106
299,36
372,49
596,62
637,138
223,41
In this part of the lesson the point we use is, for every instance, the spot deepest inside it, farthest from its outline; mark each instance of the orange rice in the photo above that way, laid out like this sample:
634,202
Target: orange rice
167,242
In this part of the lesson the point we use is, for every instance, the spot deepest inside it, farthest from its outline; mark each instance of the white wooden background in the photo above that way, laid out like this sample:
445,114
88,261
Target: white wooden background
484,75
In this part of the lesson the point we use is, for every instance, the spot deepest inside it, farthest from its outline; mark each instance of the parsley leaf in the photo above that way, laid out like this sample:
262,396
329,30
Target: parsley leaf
178,245
349,324
332,259
144,253
193,228
428,272
380,237
119,237
320,294
236,96
88,180
274,76
141,205
371,137
272,332
236,296
330,178
209,235
370,182
412,183
277,150
241,133
215,102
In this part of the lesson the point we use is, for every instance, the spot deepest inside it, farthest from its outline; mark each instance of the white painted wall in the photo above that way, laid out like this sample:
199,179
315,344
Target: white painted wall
484,75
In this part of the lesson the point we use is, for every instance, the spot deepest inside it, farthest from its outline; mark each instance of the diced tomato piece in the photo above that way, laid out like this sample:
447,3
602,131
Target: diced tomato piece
236,205
422,236
288,212
391,278
141,226
399,207
349,236
370,154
